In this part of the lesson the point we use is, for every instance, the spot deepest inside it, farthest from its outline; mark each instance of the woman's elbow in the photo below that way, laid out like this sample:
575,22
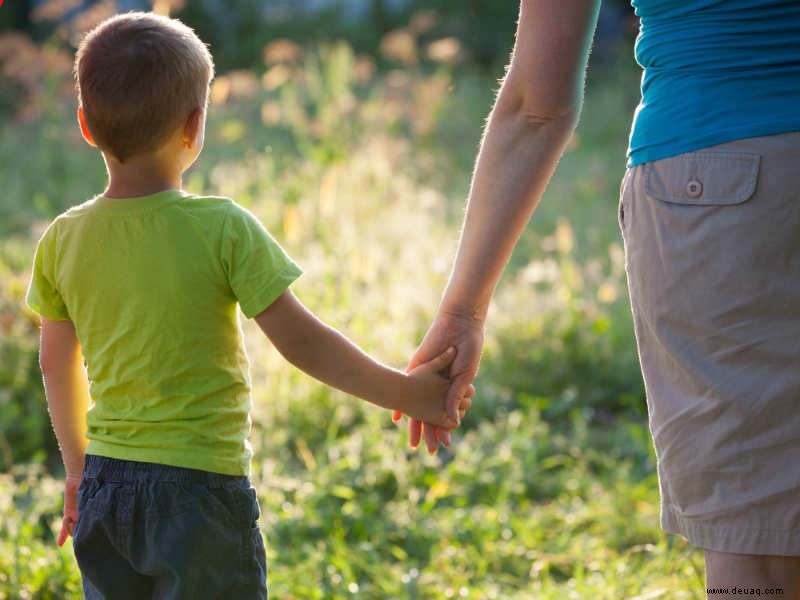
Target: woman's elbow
537,106
536,115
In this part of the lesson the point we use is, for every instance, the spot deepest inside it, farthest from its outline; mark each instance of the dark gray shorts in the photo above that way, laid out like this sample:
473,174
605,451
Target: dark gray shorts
156,531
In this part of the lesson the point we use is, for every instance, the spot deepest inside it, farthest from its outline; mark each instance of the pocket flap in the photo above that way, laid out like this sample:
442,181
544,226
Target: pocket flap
703,178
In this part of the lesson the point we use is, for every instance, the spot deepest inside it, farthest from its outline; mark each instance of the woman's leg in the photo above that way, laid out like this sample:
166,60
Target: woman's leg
752,574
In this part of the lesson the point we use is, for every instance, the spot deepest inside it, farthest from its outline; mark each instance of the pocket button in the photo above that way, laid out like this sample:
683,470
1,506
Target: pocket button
694,189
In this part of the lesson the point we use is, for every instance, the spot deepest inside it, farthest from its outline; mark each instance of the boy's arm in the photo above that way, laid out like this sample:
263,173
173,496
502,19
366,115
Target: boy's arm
67,392
327,355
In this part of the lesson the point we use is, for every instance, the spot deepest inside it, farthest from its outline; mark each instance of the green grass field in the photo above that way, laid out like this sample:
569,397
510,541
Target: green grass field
549,490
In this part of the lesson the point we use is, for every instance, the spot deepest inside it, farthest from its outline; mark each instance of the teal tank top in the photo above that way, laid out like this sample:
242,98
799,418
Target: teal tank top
714,71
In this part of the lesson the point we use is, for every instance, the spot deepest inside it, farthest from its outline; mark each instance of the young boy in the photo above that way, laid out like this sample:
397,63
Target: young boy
143,281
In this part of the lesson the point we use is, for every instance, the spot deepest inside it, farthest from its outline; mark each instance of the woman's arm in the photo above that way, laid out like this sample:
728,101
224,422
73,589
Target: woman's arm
533,117
327,355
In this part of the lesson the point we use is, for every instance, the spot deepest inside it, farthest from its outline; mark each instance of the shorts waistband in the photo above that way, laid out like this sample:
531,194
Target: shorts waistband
118,470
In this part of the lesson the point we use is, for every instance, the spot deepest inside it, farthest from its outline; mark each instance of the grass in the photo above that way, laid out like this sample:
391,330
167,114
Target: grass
550,488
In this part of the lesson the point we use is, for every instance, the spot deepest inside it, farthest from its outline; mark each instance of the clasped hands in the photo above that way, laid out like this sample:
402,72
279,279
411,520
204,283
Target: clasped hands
466,335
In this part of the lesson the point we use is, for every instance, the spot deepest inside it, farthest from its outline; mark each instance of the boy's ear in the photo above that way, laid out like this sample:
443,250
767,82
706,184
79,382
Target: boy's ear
87,135
191,128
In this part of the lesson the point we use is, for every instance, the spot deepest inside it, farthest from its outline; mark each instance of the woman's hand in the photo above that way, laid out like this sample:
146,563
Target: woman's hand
465,333
428,393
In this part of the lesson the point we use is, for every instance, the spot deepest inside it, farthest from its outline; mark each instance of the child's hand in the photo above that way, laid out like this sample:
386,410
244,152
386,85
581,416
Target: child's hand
70,518
430,384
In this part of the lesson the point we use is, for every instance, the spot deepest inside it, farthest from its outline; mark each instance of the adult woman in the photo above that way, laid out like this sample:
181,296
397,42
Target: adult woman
710,212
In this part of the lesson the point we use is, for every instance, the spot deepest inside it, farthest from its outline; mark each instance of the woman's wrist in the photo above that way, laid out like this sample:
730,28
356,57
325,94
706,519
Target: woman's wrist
461,303
471,314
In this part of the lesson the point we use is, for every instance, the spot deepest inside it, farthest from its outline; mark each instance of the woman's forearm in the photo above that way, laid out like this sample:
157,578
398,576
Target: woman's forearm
517,157
532,120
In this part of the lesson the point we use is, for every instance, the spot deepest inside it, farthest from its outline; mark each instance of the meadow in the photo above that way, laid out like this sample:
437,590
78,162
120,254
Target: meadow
360,168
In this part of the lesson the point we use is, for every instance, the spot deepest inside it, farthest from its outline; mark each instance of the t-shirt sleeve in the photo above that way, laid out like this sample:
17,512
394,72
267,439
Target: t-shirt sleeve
258,269
43,294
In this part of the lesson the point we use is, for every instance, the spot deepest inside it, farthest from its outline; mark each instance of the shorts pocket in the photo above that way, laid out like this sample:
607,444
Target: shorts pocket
87,490
95,496
623,187
703,178
234,501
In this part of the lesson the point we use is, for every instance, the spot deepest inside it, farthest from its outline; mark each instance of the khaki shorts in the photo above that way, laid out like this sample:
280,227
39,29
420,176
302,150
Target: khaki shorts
712,246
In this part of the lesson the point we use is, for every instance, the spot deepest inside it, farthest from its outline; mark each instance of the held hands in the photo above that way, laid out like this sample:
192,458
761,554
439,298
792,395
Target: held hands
466,334
430,387
70,518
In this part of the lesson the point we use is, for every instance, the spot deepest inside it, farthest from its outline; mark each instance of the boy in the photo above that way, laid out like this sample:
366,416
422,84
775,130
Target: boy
143,281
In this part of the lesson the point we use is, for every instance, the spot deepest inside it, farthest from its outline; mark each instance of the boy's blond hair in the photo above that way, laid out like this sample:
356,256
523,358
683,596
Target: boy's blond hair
139,76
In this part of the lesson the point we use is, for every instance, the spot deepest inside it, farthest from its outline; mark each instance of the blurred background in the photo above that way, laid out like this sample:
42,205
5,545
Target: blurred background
350,128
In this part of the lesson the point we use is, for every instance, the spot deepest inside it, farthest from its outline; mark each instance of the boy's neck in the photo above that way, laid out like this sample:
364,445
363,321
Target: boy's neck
140,176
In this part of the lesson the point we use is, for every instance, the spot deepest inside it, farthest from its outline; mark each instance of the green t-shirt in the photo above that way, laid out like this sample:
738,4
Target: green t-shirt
151,285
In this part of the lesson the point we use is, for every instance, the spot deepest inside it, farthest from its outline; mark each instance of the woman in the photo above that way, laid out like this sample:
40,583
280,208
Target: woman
710,217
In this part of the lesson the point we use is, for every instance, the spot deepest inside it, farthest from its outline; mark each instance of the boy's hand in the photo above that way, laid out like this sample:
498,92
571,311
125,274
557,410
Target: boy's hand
431,384
70,518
